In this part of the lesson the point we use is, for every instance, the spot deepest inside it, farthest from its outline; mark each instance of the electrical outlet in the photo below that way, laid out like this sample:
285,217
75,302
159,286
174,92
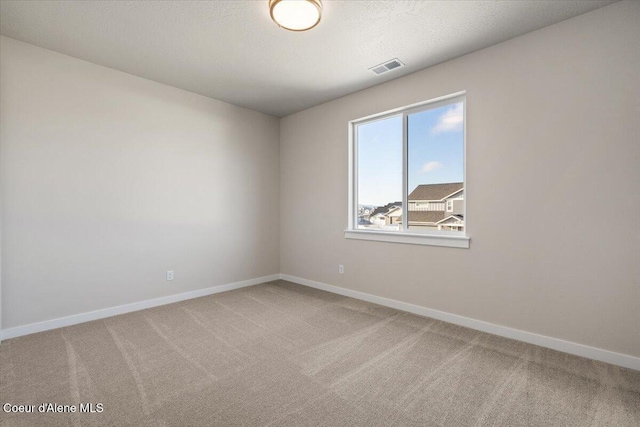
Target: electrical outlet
170,275
341,269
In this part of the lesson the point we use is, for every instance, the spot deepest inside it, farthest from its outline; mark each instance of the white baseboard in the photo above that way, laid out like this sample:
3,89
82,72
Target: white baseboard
606,356
60,322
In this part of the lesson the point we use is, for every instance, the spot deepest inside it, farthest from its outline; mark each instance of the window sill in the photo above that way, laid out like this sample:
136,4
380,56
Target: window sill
409,238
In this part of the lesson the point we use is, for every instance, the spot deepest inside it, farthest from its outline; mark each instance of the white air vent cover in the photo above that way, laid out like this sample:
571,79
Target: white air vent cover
387,66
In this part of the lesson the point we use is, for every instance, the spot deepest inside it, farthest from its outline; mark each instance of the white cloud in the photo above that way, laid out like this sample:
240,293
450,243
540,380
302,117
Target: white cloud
431,166
451,120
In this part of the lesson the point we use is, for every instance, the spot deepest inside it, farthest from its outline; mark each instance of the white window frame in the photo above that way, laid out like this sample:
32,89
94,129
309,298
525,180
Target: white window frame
456,239
450,205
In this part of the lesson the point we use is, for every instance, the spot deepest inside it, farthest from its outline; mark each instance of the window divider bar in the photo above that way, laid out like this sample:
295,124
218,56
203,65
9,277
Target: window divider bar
405,172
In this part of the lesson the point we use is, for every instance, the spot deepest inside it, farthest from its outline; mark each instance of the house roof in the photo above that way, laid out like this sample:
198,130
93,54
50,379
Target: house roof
431,217
455,219
425,216
384,209
395,211
435,191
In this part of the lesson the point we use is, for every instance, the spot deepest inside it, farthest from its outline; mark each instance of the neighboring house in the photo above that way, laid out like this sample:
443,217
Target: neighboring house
439,206
394,216
379,215
364,211
377,219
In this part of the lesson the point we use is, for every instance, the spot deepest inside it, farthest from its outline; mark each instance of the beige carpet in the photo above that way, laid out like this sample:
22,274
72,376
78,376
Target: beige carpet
286,355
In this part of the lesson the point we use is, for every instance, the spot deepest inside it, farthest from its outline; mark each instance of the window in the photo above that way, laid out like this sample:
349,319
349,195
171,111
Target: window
408,167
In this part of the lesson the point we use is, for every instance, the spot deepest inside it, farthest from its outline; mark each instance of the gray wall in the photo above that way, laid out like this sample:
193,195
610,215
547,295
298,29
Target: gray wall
552,126
108,180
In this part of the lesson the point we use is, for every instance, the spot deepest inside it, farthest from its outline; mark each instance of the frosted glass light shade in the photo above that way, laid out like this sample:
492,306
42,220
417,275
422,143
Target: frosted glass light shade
296,15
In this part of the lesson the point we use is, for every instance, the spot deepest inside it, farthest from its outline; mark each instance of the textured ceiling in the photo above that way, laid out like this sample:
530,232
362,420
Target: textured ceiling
232,51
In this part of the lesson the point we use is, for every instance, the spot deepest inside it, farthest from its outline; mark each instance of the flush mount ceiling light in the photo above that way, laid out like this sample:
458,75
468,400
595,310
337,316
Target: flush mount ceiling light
296,15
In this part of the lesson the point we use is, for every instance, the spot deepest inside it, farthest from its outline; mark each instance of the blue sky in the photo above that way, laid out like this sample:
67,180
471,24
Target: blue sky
435,139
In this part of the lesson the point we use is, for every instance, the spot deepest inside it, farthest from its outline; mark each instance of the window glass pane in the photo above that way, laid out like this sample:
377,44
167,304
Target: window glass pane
379,157
435,155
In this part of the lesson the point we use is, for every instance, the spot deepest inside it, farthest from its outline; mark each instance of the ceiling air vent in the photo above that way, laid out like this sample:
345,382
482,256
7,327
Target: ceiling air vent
387,66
